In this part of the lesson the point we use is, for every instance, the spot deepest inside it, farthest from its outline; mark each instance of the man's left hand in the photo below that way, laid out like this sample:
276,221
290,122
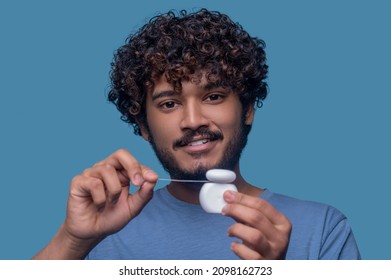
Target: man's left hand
264,231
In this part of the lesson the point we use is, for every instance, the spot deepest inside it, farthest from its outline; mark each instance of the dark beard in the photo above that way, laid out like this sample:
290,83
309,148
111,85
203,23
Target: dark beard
229,160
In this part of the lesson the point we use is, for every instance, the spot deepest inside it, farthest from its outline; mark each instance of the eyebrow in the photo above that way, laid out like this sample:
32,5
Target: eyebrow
170,93
164,93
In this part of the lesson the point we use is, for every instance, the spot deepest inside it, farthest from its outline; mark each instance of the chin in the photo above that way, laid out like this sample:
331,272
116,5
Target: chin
204,165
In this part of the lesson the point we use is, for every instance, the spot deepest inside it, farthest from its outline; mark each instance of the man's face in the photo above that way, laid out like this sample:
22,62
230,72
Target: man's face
197,129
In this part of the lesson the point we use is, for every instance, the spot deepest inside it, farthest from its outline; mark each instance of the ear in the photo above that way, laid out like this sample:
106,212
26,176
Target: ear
249,117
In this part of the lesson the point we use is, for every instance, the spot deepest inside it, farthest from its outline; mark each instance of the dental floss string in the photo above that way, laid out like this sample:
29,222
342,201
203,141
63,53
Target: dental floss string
185,181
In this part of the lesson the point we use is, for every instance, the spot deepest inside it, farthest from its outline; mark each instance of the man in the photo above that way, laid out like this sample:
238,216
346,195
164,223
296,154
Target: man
188,84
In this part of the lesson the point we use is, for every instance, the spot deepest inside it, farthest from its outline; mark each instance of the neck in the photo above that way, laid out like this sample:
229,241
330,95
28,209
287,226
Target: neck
189,192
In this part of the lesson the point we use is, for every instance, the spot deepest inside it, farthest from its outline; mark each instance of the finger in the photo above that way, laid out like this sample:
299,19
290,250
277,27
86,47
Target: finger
83,187
251,237
245,252
110,178
122,159
122,174
251,217
275,217
149,175
140,198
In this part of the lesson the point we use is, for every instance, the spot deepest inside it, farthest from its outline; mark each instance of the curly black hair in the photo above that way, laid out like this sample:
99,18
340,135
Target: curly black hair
179,46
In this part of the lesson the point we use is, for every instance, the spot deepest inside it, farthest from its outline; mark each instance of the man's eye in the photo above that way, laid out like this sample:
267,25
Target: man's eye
168,105
215,97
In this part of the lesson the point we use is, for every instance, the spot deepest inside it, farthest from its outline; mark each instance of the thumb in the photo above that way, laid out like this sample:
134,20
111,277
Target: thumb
139,199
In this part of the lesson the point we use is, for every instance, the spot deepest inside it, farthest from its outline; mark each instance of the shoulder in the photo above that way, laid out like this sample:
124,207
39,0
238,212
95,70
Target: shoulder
319,231
294,207
308,217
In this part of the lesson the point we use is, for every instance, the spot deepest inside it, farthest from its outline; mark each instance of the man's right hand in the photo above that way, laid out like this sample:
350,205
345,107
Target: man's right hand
99,204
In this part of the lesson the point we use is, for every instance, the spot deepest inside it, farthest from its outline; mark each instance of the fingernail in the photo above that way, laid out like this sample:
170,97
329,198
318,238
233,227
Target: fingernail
150,173
229,196
138,179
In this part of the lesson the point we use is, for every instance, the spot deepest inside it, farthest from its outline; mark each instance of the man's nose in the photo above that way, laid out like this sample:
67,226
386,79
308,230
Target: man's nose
193,117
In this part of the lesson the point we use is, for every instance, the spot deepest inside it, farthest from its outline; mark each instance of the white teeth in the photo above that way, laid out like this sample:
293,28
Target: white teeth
199,142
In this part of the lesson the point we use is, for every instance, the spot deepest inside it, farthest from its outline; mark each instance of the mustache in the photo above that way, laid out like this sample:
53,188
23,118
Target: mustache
202,131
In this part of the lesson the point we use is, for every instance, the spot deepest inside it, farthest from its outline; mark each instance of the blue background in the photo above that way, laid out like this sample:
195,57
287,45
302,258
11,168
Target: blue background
323,133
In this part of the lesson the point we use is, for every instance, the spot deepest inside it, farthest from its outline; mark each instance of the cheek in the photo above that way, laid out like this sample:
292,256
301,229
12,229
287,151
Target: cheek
162,129
227,118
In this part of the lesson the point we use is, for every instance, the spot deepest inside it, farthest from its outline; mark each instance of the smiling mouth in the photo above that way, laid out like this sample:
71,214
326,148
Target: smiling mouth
198,142
199,137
